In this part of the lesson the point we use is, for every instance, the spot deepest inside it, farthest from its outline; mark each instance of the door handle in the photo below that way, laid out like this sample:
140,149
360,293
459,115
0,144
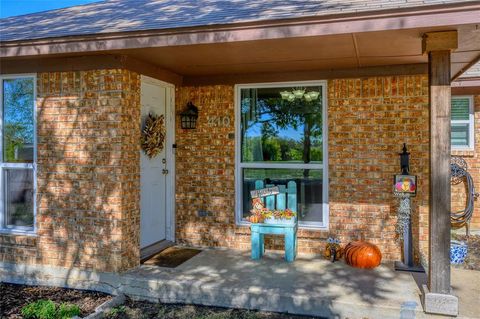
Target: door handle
164,171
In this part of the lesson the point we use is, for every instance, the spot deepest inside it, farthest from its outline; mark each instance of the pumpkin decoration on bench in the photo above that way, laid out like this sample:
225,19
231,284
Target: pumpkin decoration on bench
261,214
255,218
258,208
362,254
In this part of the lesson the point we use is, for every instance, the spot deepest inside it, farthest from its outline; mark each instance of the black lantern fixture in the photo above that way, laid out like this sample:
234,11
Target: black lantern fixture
404,160
188,118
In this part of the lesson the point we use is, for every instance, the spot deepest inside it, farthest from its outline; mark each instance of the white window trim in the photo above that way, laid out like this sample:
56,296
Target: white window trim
33,166
239,165
470,121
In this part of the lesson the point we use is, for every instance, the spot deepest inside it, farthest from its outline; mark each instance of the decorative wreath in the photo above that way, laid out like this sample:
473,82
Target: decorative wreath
153,135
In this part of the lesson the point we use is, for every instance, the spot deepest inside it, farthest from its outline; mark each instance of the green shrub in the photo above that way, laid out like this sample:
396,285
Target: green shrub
40,309
115,311
46,309
66,311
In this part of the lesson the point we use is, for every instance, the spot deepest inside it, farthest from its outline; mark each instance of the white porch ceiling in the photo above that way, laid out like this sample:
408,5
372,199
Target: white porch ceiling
344,51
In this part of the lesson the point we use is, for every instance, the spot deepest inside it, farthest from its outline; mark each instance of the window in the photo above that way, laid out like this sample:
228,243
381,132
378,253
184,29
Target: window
281,141
17,153
462,135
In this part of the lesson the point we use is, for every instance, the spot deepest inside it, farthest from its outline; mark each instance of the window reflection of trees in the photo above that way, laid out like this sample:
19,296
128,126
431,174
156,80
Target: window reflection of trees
271,114
18,120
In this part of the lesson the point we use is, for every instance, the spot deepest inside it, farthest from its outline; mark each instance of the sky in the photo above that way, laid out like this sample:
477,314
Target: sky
10,8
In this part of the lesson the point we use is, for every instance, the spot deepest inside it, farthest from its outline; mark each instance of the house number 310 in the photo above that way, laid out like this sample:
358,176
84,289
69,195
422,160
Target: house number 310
219,121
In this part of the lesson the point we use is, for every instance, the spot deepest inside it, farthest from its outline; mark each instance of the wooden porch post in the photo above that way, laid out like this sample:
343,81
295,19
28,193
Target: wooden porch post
437,298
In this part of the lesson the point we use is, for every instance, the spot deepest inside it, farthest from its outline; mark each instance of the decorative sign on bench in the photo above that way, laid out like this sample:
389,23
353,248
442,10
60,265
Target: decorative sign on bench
264,192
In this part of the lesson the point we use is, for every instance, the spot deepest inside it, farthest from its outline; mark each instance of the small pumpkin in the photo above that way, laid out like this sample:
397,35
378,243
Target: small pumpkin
362,254
255,219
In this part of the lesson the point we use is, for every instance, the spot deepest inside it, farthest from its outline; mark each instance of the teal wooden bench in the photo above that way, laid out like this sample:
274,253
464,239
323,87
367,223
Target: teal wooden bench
288,230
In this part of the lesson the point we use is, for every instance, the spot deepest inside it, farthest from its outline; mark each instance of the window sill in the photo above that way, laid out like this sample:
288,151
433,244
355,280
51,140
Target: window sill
17,232
464,152
301,227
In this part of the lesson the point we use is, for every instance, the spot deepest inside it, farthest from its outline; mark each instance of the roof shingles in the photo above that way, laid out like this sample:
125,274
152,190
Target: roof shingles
137,15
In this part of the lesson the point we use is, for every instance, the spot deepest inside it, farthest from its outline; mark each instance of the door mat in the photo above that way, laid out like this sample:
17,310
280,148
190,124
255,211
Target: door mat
172,257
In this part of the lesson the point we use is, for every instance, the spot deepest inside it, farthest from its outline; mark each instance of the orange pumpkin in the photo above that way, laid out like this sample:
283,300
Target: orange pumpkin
255,219
362,254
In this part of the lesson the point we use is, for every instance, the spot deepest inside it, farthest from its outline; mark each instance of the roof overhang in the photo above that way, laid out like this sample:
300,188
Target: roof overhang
466,86
352,41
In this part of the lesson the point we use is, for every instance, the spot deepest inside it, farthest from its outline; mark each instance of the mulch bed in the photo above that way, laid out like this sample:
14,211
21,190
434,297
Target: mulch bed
14,297
144,310
472,261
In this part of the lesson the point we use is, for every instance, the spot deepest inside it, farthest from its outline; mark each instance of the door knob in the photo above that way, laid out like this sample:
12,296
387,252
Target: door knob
165,171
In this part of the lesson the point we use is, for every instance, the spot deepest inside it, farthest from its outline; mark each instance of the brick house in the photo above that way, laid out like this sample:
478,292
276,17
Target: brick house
79,192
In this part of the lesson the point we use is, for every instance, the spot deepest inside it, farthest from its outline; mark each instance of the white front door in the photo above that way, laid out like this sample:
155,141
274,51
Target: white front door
155,99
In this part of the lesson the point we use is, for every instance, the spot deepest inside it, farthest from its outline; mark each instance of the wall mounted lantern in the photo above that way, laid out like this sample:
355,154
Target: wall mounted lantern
188,118
404,160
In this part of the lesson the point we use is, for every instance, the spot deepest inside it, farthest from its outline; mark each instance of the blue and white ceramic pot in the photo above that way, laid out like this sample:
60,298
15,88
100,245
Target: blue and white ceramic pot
458,252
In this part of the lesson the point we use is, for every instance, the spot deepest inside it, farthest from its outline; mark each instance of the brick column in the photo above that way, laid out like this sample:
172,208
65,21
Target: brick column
88,169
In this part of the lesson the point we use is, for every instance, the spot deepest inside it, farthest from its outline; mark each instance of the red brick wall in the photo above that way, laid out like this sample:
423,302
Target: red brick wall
205,169
368,121
88,168
88,173
473,160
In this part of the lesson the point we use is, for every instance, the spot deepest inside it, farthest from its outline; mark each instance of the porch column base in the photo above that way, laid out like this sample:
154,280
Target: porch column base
439,304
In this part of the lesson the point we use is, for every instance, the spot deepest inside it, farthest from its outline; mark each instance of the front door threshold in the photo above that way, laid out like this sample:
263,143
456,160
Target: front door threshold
149,251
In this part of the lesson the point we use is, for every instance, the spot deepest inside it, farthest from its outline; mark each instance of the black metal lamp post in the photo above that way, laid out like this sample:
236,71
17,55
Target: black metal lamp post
188,118
407,264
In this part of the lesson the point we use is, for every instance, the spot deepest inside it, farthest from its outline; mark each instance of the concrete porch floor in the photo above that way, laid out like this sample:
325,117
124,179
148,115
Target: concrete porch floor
309,286
228,278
